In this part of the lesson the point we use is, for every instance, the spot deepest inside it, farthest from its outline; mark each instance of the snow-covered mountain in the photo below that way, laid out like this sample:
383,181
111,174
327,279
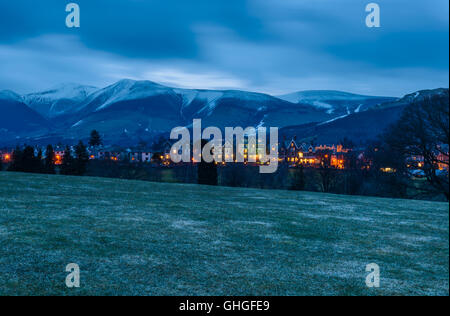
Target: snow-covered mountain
131,110
335,102
128,108
17,119
58,100
413,97
360,126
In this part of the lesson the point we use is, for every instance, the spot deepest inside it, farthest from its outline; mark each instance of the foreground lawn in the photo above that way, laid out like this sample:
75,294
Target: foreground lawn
141,238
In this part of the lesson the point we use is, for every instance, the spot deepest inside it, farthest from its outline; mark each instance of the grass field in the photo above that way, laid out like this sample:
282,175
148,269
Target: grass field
142,238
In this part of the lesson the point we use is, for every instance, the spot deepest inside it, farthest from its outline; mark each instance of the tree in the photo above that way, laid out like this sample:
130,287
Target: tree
298,179
423,133
68,163
207,171
81,160
386,175
159,144
142,144
347,143
326,172
39,167
156,158
353,174
49,164
16,164
29,160
95,139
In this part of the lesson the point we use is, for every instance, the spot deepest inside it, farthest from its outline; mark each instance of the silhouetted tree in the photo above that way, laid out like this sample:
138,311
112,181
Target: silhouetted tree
156,158
39,166
159,144
68,163
81,160
95,139
347,143
353,173
207,171
298,179
423,131
29,160
392,183
142,144
16,164
326,172
49,164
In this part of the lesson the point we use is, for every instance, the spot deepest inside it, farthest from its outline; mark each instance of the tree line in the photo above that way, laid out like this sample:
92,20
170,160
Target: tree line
25,159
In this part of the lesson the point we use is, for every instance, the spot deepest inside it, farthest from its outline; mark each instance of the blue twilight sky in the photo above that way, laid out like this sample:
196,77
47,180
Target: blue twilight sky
272,46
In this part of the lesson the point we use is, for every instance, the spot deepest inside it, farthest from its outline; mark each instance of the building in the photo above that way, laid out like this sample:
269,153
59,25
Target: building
6,156
136,156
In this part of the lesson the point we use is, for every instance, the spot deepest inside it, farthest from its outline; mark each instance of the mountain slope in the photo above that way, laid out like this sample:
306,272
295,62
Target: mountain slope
59,100
359,127
136,109
127,108
129,111
16,116
336,102
239,108
17,120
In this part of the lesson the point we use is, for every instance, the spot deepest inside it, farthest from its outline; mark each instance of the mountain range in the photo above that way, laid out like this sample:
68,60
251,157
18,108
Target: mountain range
359,126
130,111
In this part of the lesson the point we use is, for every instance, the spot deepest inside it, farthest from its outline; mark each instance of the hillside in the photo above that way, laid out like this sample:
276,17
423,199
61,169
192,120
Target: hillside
58,100
129,111
361,126
17,119
146,238
336,102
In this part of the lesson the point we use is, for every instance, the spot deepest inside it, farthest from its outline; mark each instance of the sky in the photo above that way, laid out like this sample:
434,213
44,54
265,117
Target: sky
269,46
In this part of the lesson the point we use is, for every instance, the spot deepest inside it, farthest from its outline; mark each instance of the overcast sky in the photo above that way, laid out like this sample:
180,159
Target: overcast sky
271,46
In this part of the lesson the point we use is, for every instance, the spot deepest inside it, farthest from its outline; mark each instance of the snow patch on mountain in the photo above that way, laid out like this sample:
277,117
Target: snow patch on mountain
63,91
320,104
211,98
126,90
58,100
77,123
334,119
321,95
358,109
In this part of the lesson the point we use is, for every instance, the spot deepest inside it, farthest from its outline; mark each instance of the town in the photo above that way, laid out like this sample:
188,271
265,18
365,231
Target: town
290,152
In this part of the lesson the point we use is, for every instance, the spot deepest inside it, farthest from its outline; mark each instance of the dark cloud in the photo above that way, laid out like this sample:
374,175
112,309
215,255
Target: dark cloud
272,46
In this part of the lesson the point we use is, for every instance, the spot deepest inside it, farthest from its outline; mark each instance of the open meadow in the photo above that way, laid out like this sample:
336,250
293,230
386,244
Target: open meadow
144,238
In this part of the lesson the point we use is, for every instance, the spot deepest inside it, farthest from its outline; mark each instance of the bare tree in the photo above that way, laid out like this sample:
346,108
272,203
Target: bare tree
423,132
